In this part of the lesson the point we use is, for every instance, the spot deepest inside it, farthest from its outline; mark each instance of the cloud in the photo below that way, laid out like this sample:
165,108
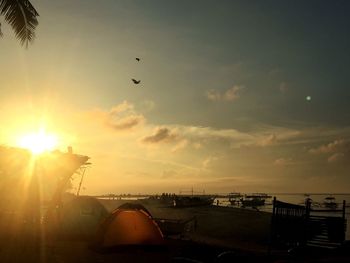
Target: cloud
213,95
123,117
204,138
208,161
164,162
160,135
267,141
126,123
200,137
337,150
283,162
336,157
313,135
197,145
122,107
229,95
232,93
335,146
180,145
167,135
197,137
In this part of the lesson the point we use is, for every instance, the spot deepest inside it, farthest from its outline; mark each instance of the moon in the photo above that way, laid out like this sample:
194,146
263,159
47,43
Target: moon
308,98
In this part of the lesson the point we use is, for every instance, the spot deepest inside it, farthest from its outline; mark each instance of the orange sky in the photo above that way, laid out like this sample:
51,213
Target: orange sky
224,104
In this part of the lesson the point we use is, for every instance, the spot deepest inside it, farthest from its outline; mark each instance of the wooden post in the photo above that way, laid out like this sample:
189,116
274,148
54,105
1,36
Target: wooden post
272,225
308,208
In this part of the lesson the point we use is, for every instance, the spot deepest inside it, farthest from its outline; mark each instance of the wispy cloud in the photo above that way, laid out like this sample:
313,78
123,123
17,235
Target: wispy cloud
232,93
335,146
208,161
337,150
122,107
313,135
213,95
197,145
182,144
283,162
166,162
198,137
268,140
336,157
229,95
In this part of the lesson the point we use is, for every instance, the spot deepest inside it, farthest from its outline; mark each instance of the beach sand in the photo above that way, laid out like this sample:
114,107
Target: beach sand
243,233
219,229
225,226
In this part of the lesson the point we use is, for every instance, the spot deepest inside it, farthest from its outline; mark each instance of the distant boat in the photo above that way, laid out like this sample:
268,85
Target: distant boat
330,202
196,200
254,200
234,198
262,195
162,200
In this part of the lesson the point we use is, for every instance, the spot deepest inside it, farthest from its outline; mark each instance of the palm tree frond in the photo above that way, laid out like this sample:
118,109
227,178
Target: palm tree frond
22,17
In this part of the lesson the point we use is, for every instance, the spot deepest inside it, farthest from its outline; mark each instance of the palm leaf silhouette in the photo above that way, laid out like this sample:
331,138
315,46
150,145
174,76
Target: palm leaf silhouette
22,17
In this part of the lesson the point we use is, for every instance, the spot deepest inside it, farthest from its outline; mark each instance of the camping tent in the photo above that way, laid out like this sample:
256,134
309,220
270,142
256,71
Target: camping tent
81,217
129,225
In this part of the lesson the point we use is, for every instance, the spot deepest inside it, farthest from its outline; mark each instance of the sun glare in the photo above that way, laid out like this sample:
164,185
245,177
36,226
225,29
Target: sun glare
39,142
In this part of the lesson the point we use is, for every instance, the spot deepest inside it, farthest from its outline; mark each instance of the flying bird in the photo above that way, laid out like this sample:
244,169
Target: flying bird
138,59
136,81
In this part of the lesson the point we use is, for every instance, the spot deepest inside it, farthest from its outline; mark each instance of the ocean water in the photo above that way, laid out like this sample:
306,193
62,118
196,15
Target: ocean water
299,199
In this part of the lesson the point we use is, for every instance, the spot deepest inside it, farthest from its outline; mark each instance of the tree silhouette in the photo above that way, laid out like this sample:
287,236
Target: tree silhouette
22,17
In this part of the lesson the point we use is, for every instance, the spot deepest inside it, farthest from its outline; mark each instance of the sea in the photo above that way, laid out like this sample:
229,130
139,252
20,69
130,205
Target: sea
299,199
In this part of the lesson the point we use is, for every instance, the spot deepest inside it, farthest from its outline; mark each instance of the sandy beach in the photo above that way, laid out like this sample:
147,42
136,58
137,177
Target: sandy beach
218,229
224,226
243,233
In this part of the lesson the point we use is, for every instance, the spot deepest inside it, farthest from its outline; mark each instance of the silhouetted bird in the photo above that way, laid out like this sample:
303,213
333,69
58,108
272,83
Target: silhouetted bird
136,81
138,59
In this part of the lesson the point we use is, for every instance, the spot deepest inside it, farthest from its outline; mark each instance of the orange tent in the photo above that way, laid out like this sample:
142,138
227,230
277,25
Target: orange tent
129,224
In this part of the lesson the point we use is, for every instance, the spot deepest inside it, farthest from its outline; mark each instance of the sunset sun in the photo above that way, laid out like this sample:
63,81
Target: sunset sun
38,142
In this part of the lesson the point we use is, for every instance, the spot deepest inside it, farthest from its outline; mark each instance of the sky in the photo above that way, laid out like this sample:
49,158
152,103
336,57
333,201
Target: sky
246,96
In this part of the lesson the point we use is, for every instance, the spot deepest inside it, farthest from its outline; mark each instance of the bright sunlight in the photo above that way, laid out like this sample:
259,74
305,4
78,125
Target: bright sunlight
38,142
